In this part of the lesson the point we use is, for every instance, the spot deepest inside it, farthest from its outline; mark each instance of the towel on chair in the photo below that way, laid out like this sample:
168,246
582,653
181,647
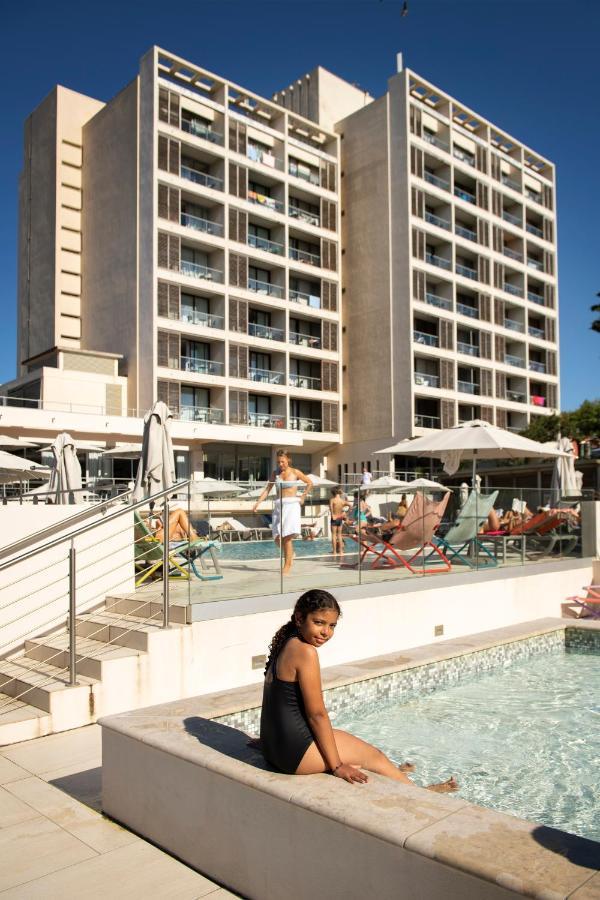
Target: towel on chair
286,517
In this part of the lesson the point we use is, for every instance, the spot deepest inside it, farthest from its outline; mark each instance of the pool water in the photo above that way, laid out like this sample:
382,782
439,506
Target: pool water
247,550
525,740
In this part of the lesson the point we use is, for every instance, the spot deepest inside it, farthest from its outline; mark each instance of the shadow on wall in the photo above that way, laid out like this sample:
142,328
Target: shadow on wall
226,740
579,851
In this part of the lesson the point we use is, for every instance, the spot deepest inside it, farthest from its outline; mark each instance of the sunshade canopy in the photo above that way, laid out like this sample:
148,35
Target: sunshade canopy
15,468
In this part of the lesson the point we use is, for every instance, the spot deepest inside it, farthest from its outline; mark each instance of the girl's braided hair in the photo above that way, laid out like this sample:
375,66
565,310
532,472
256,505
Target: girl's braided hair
310,601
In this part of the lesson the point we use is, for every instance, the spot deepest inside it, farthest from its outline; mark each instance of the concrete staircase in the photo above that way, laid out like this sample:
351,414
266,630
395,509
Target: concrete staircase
118,646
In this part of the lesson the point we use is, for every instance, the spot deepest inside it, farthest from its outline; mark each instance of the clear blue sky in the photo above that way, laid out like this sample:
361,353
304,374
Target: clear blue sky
529,66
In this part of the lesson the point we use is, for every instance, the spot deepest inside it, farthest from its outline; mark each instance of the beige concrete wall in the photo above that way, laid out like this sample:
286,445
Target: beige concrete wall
110,232
323,97
147,354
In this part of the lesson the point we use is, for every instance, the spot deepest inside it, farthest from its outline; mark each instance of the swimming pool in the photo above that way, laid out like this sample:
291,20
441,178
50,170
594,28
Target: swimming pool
524,740
247,550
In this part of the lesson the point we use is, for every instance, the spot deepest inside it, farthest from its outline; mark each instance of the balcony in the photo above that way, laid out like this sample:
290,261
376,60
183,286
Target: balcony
304,256
312,300
511,183
533,229
516,396
514,220
536,332
466,310
513,289
427,421
535,264
513,325
435,300
430,178
312,176
511,360
435,141
209,415
421,337
203,178
204,225
534,195
461,231
466,272
265,420
467,387
512,254
424,379
310,218
257,154
265,287
269,202
266,376
537,366
535,298
201,130
437,220
301,423
462,194
260,243
463,156
196,270
208,320
438,261
467,349
201,366
265,332
304,340
305,381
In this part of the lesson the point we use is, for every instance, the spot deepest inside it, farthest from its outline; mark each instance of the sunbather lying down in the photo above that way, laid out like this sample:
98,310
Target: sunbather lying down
180,527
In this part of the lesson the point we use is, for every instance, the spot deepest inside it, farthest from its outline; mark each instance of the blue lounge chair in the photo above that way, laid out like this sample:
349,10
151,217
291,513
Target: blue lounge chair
462,542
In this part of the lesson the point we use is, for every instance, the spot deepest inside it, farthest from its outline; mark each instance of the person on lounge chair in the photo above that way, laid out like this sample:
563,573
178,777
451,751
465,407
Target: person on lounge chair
180,527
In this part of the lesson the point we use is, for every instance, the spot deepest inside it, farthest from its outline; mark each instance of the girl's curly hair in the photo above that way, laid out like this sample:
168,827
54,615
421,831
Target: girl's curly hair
310,601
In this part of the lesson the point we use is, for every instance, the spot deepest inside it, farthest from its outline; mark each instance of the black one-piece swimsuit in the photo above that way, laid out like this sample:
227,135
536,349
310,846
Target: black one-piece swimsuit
285,734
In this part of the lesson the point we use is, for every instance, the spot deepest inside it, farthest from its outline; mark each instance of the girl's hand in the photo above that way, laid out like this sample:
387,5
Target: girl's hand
351,774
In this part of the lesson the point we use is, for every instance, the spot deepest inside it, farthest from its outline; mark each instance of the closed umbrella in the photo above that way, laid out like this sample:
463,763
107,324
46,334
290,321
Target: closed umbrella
65,478
564,477
156,469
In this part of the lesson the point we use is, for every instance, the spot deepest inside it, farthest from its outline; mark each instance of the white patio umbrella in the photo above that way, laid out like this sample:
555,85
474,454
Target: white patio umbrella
7,441
217,489
124,451
65,479
471,440
427,484
15,468
387,482
156,469
564,477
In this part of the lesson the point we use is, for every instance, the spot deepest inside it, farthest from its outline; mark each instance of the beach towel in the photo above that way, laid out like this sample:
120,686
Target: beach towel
286,517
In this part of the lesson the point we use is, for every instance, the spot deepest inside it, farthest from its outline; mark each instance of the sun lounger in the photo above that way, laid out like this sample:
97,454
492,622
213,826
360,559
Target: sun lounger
589,606
183,555
462,542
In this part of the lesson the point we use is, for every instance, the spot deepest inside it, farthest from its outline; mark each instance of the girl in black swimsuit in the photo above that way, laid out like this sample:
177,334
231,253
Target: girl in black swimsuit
296,736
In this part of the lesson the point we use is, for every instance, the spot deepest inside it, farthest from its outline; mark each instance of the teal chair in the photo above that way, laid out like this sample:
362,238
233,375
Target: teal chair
462,543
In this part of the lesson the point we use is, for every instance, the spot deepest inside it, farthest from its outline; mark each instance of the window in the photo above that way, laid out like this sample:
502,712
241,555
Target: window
197,257
259,404
260,360
195,349
256,274
194,309
260,317
195,396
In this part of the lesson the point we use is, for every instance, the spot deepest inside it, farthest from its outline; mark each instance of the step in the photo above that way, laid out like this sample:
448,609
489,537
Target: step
91,656
133,606
44,686
120,629
21,722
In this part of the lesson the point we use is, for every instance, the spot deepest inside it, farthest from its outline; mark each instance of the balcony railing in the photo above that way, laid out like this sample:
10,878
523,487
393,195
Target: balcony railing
535,264
516,396
437,220
465,310
509,217
204,225
536,332
436,180
466,272
312,300
421,337
536,366
261,243
199,129
533,195
512,254
310,218
266,376
301,423
462,194
511,183
305,381
305,340
466,348
468,387
511,360
436,300
424,379
265,332
265,420
201,366
435,141
264,287
535,298
465,157
262,200
313,177
513,289
461,231
256,154
208,414
196,270
439,261
427,421
208,320
203,178
533,229
513,325
304,256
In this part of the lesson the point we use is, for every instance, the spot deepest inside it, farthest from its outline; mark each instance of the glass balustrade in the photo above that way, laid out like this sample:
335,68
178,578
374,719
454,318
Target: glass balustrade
466,272
435,141
261,243
265,420
511,183
513,289
304,256
201,130
467,349
461,231
438,261
511,360
195,317
432,219
264,287
462,194
209,415
266,332
536,332
463,156
262,200
535,298
512,254
513,325
266,376
310,218
516,396
421,337
312,300
305,340
305,381
436,300
301,423
203,178
196,270
464,310
509,217
533,229
425,379
536,366
430,178
467,387
198,224
201,366
427,421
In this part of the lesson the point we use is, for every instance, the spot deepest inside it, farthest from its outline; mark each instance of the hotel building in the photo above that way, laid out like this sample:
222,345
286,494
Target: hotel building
182,242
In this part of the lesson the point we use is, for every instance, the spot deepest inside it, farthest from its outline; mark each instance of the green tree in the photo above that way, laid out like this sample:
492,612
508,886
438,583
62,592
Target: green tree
580,423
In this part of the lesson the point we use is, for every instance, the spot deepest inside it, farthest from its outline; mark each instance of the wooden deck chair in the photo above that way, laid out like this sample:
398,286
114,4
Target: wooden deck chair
409,541
589,606
462,542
